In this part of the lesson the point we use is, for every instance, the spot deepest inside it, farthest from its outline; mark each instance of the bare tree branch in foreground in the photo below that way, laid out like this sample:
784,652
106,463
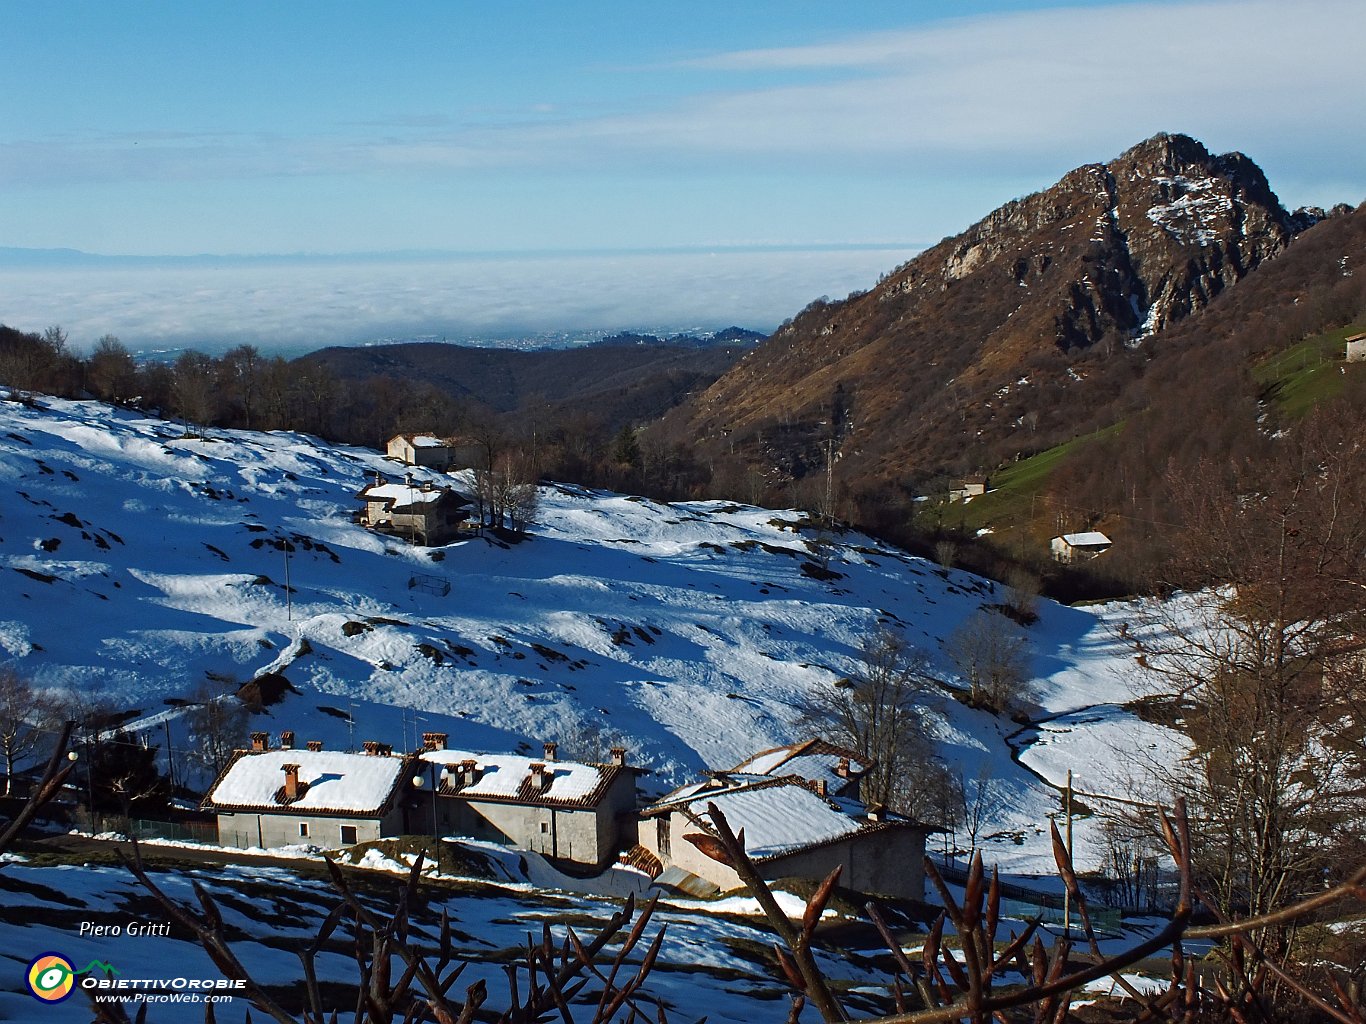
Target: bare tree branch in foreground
970,983
546,979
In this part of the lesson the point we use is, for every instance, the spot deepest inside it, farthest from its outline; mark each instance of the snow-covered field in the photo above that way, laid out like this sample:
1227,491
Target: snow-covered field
715,964
137,565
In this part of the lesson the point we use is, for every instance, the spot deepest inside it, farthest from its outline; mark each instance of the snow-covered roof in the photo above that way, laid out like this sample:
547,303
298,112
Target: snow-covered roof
409,494
508,777
682,794
780,816
814,760
762,764
421,440
404,495
1086,540
331,781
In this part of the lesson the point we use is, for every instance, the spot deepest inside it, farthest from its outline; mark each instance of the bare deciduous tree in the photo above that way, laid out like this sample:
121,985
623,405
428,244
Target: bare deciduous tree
979,801
992,656
1131,859
881,711
1022,595
194,389
506,491
26,717
111,370
1265,652
217,723
241,371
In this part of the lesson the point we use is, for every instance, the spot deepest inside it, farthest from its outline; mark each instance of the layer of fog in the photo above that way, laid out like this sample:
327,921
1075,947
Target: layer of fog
302,305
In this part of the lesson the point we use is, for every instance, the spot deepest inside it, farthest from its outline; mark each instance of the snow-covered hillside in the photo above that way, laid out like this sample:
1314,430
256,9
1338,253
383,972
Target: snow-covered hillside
136,565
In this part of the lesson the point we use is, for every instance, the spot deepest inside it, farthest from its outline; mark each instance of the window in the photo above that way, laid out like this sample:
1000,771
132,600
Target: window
348,835
303,830
664,836
545,826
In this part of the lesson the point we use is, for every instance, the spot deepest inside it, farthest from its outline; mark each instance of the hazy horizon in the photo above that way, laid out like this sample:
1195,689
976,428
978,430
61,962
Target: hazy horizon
609,167
298,304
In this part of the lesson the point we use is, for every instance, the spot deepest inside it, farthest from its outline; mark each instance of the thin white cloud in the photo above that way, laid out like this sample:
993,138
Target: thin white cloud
1061,84
1021,85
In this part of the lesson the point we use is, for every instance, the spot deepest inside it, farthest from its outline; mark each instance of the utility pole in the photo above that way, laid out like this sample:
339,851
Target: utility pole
170,757
829,509
1067,895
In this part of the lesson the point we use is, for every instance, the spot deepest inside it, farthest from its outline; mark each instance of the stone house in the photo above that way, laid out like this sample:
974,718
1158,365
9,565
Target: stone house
969,487
1356,348
564,810
793,828
1078,547
284,796
443,453
422,513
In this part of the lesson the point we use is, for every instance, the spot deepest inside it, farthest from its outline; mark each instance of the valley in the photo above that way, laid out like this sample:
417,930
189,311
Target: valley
674,559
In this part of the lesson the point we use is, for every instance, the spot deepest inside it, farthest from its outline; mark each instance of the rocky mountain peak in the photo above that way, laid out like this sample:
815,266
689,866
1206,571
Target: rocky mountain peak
1113,252
1165,152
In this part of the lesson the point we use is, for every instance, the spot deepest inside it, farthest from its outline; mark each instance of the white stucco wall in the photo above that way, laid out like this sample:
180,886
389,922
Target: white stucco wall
244,830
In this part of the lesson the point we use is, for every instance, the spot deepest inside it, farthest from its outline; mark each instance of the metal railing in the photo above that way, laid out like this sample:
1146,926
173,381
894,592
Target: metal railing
146,828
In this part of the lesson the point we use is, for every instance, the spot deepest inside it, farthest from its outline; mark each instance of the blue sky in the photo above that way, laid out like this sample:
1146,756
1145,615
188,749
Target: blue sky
178,128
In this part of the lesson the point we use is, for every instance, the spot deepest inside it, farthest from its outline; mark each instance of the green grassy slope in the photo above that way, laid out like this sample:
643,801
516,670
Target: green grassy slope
1306,374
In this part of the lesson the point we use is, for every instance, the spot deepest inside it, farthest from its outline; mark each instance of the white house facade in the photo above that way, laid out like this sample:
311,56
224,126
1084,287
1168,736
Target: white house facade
326,798
1077,547
566,810
791,830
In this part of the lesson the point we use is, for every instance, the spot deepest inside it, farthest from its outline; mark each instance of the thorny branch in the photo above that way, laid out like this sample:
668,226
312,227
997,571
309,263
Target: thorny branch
548,981
950,987
555,977
797,961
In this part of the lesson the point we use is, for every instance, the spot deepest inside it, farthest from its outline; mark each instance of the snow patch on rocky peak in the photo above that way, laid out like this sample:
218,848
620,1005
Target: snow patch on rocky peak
1196,206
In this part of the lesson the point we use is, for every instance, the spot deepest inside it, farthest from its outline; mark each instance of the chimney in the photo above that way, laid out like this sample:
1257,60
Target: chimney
287,739
379,479
315,745
408,479
842,768
551,749
434,741
540,778
469,772
877,812
374,748
291,782
822,788
619,756
260,741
